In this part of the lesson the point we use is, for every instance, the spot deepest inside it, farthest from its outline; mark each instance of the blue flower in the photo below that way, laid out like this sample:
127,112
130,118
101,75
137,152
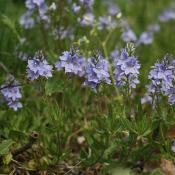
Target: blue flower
146,38
162,80
167,15
128,35
87,3
26,20
42,8
11,93
127,70
31,4
105,22
15,105
71,62
96,72
146,99
162,77
171,96
38,66
113,10
75,8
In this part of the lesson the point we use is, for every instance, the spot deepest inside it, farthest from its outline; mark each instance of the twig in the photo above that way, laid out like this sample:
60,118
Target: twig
73,167
21,166
72,135
4,67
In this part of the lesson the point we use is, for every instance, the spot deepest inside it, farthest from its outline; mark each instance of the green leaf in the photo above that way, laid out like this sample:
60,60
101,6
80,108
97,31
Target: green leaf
16,134
54,85
5,146
109,151
7,158
11,25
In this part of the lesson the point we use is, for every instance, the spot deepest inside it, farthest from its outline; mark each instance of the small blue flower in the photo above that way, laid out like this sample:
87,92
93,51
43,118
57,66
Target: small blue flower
127,70
11,93
162,77
38,66
146,38
26,20
105,22
75,8
113,10
162,80
128,35
15,105
146,99
87,3
71,62
96,72
171,96
31,4
167,15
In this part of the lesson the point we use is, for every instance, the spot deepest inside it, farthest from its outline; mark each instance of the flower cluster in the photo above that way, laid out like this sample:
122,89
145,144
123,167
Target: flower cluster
96,71
167,15
87,3
127,70
27,20
84,11
147,37
11,93
105,22
162,80
71,62
38,66
41,5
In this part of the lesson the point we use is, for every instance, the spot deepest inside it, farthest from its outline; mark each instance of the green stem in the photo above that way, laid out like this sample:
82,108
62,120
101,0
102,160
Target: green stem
104,43
58,140
44,34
